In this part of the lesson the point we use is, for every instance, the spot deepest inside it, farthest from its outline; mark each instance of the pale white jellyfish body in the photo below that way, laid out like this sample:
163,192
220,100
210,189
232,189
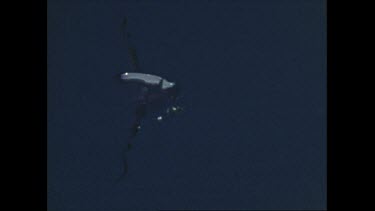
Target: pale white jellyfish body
147,80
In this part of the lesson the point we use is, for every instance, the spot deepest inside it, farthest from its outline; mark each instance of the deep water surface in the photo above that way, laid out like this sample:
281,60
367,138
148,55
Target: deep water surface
253,133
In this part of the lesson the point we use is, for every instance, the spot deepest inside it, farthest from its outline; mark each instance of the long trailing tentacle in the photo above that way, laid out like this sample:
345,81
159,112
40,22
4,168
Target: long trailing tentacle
125,166
131,49
139,114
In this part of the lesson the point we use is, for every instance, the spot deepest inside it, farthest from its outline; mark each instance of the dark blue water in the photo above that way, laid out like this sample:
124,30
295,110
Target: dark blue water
253,133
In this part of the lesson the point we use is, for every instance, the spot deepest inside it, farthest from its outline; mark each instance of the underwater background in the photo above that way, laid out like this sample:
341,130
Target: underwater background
253,131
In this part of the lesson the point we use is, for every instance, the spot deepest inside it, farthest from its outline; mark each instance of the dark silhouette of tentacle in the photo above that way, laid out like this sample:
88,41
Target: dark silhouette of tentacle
124,166
132,52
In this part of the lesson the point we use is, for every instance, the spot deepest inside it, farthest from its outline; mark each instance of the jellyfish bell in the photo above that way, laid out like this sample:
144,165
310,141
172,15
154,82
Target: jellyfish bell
153,82
142,78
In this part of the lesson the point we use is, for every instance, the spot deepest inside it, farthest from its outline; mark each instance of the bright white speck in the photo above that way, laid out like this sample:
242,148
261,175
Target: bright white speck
160,118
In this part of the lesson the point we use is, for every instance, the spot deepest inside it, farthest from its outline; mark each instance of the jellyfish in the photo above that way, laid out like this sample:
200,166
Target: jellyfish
154,92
